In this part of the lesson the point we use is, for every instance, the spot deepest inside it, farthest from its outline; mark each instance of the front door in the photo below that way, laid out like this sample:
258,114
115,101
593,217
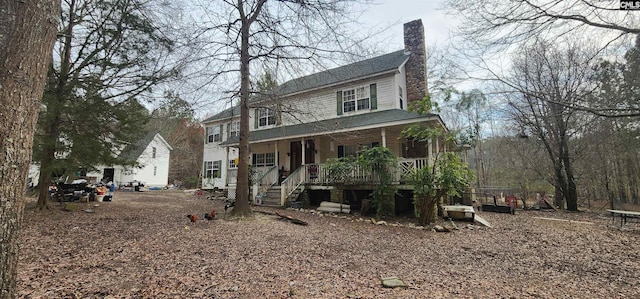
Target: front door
295,153
310,152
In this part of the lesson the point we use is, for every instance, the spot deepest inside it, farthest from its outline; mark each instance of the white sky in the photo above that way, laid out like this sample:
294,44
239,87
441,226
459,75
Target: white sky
390,15
437,25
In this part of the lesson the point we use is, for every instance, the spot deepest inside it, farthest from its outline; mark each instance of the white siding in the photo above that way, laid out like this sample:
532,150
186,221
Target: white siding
322,104
145,174
159,165
401,81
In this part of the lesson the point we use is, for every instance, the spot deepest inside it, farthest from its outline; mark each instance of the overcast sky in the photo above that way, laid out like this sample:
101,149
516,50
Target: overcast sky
437,24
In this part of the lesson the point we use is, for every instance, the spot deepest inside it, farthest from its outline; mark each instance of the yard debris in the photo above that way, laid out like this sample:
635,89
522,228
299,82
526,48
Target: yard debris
564,220
441,229
327,206
393,282
482,221
293,220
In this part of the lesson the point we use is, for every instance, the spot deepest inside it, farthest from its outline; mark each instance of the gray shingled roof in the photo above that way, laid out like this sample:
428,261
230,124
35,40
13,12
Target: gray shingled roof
368,67
133,151
330,125
227,113
361,69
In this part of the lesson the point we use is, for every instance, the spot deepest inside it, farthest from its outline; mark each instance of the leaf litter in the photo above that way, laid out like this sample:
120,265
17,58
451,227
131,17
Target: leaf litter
141,245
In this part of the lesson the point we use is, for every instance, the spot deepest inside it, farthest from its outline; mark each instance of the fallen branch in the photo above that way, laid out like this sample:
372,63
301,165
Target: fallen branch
294,220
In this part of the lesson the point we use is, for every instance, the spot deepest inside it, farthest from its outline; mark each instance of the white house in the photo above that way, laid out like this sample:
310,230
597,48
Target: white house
151,153
330,114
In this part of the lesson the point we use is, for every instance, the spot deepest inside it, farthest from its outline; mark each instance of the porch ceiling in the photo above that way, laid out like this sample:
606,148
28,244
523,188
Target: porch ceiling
377,119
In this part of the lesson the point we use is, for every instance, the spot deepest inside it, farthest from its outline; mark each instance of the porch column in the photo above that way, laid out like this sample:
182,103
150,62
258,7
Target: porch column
430,152
304,149
226,169
383,132
277,159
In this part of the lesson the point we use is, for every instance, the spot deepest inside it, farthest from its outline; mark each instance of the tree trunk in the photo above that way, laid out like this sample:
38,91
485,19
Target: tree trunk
242,190
27,34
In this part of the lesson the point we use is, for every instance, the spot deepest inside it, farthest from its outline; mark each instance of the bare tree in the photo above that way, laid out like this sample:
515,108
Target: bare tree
493,26
273,35
27,33
507,22
547,80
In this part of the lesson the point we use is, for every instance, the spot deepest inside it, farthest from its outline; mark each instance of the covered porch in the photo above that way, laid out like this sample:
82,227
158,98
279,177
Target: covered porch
286,160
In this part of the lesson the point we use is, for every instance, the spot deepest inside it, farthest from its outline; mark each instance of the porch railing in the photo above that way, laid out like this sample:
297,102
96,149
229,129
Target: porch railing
319,174
264,181
292,182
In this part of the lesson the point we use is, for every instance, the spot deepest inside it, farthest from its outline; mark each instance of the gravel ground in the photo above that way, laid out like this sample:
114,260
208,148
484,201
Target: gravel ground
142,245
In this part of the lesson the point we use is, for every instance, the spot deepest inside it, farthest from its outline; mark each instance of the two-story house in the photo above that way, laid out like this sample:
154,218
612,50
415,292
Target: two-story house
330,114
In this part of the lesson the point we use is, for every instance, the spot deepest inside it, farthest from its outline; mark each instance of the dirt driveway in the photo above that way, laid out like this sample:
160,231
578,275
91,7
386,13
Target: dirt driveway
142,245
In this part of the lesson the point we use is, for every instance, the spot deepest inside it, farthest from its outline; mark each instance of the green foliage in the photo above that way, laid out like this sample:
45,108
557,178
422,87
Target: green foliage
446,176
266,83
382,164
172,106
339,170
109,57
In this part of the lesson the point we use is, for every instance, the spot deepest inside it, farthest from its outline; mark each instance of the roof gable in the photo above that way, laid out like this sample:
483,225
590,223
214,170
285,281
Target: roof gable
133,151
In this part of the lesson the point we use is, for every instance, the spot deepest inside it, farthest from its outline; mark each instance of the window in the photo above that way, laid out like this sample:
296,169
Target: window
232,164
212,169
268,159
213,134
234,128
356,99
414,149
352,151
266,117
153,152
347,151
155,170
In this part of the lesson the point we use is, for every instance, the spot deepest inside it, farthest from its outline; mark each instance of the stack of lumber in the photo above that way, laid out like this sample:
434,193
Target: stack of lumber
334,207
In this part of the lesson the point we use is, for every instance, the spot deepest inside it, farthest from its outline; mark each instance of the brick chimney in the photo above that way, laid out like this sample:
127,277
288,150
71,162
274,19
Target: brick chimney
416,67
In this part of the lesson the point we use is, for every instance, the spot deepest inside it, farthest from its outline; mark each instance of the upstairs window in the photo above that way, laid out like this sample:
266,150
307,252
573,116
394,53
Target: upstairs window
214,134
234,129
356,99
153,152
266,117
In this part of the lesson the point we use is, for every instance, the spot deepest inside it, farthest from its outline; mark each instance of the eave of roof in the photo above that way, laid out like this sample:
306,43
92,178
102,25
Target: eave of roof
338,125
